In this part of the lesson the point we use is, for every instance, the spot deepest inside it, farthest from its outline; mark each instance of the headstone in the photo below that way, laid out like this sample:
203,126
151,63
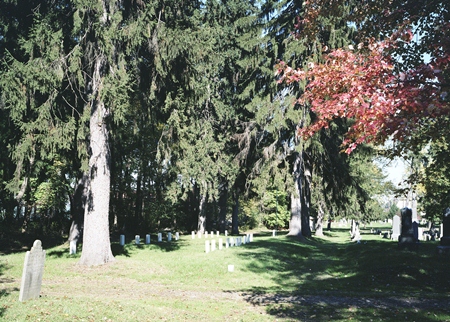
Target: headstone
213,245
445,239
227,242
73,247
415,226
199,234
218,233
220,243
212,234
137,239
169,237
395,228
193,235
274,233
33,269
147,239
207,248
226,232
231,268
159,237
407,238
206,234
231,241
251,237
122,240
243,240
177,235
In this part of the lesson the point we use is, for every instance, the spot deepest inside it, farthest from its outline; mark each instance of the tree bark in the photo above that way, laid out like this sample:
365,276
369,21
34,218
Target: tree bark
295,223
235,215
223,208
319,224
96,242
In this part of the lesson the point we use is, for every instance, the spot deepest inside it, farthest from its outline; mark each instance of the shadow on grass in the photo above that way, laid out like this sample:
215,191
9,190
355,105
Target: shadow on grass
320,280
17,243
4,290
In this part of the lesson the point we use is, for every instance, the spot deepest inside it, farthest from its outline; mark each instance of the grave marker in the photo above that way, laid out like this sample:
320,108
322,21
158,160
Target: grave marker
407,238
159,237
137,239
220,243
122,240
169,237
33,269
177,235
213,245
207,246
73,247
147,239
395,227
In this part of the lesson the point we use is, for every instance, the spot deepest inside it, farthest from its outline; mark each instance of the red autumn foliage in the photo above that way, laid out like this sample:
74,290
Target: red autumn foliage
364,86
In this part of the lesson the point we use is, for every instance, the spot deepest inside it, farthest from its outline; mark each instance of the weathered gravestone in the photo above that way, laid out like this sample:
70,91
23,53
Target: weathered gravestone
407,239
395,227
33,269
444,246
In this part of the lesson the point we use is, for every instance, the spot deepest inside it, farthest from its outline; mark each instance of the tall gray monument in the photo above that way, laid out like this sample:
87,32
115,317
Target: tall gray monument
407,239
33,269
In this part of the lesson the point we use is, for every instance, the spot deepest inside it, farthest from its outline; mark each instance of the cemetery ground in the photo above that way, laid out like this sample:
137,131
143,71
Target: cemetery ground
274,279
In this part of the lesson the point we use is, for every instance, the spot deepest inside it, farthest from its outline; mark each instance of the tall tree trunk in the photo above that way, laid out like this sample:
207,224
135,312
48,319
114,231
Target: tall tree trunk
96,242
223,208
295,223
201,227
306,198
235,215
319,224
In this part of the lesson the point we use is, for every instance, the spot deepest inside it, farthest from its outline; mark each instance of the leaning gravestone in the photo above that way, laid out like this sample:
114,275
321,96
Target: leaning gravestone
395,227
407,239
33,269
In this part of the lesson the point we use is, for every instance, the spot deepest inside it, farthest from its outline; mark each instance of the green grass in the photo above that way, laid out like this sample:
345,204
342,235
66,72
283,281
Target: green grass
281,278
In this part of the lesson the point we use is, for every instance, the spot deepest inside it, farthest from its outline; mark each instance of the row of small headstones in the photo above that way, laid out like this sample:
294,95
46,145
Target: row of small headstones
199,234
210,245
137,238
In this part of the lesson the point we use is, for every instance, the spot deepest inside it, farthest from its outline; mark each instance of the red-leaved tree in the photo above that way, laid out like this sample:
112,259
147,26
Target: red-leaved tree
362,84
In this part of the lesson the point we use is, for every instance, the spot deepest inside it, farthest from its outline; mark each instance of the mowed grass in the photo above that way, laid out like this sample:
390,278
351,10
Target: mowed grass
274,279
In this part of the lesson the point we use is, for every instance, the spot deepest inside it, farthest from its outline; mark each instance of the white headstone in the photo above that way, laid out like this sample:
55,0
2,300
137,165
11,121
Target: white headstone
159,237
212,234
231,268
206,234
213,245
199,234
122,240
177,235
73,247
147,239
137,239
251,237
274,233
227,242
33,269
220,243
193,235
226,232
231,241
207,246
169,237
218,233
396,225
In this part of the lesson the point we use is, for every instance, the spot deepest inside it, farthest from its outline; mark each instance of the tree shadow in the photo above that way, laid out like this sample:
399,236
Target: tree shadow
320,280
5,290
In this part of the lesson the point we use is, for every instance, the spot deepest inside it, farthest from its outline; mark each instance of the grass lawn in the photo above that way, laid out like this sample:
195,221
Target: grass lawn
274,279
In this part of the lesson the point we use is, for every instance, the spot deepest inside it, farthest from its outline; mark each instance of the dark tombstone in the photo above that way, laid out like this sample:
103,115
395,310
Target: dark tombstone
445,239
415,226
406,238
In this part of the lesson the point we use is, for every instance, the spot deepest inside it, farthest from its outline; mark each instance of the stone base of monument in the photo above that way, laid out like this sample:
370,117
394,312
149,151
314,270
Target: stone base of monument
408,242
443,249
